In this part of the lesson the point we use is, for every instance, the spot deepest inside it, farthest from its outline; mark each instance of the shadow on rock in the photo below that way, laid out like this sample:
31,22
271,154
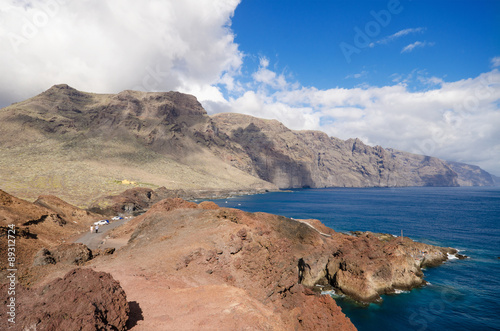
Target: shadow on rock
135,314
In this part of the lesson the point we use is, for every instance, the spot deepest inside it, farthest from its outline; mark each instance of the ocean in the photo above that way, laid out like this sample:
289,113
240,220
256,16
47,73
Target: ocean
460,295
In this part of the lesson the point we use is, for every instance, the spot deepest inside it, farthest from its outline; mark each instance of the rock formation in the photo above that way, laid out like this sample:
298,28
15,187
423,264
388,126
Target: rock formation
191,252
82,300
269,150
81,144
137,200
47,222
228,268
67,253
470,175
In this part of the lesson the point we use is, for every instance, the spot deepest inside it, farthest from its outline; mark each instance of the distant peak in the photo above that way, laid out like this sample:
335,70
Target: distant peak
62,87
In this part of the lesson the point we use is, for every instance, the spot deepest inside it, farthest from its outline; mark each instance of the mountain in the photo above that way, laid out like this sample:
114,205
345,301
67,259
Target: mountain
269,150
82,145
496,180
471,175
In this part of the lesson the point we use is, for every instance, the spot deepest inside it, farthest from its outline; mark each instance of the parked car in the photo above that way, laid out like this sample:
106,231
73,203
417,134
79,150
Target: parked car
116,218
101,222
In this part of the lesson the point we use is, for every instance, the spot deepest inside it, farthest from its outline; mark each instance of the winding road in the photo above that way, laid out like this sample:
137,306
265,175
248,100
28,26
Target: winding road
94,240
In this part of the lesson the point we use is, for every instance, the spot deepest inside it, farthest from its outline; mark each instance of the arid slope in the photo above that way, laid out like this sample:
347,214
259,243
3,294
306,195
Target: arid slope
81,146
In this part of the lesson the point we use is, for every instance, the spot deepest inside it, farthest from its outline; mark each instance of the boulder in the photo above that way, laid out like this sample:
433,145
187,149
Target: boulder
76,254
82,300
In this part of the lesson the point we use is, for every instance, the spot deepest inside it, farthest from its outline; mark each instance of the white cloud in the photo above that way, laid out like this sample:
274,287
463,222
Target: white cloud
416,44
455,121
361,74
495,62
109,46
397,35
405,32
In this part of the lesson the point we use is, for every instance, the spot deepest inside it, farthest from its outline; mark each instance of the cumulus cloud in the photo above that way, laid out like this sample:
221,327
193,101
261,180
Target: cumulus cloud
416,44
109,46
455,120
161,45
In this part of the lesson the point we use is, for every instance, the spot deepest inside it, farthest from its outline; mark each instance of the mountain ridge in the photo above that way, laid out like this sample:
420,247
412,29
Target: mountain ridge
79,145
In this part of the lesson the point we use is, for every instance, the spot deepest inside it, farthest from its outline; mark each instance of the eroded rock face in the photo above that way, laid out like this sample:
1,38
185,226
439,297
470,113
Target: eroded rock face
367,266
291,159
152,136
82,300
138,200
47,222
67,254
275,260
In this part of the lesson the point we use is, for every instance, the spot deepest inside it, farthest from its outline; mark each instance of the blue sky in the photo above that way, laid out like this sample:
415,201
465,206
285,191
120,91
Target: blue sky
302,39
419,76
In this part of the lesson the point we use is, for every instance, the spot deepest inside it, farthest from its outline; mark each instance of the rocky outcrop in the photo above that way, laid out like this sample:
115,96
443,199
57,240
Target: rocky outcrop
367,266
248,259
47,222
362,266
67,253
220,268
137,200
66,211
82,300
23,213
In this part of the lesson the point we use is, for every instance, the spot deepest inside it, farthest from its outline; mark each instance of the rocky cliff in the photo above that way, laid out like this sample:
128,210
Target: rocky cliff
471,175
287,158
80,145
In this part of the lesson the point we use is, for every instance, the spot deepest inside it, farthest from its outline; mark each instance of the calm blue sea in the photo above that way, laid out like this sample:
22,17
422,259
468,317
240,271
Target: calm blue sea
461,295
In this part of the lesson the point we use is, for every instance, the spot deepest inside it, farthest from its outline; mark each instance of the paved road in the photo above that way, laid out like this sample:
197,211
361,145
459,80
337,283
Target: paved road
93,240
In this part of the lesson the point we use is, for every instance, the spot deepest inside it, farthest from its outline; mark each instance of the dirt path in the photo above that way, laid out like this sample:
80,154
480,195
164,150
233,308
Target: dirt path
310,225
96,240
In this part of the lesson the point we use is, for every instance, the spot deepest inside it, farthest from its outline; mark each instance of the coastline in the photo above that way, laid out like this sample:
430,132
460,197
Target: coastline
346,262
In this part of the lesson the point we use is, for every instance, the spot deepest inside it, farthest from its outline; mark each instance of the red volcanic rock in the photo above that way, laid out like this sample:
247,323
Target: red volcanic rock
82,300
46,223
65,210
365,267
171,204
208,205
20,212
177,248
66,253
188,264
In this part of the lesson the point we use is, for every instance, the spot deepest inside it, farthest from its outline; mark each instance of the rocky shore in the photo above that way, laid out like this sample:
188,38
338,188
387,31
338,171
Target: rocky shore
183,265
